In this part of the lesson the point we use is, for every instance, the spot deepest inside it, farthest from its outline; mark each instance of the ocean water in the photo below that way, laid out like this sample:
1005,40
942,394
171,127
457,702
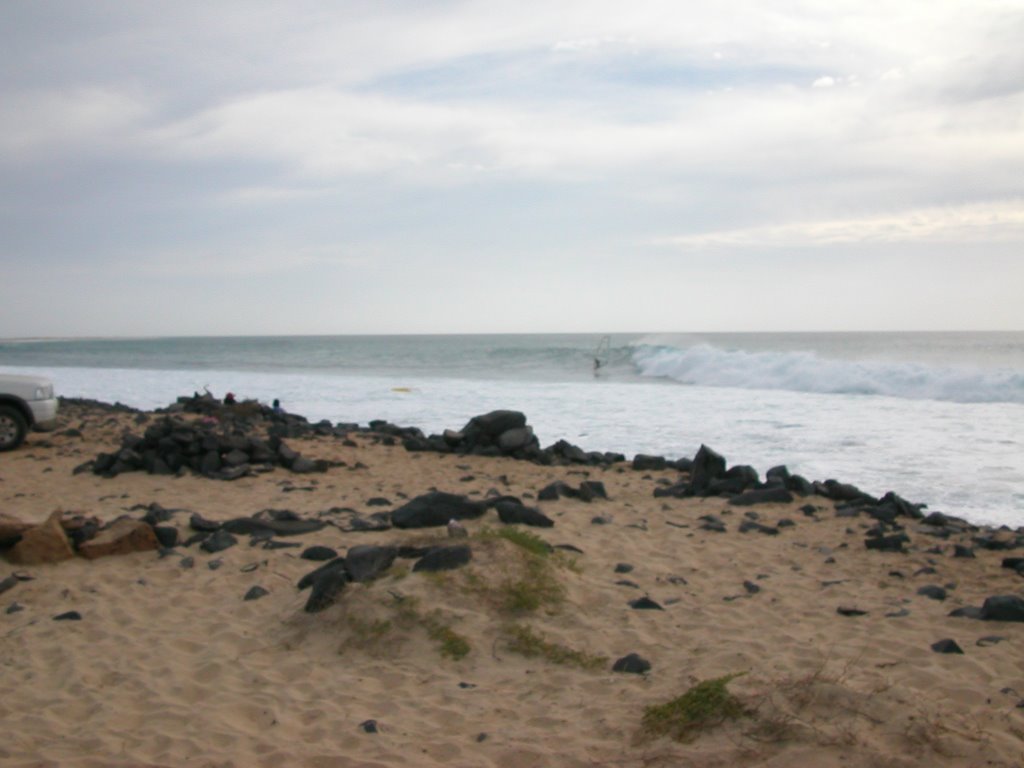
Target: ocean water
936,417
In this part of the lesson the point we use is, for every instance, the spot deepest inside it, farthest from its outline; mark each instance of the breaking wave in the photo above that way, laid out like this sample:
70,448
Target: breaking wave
710,366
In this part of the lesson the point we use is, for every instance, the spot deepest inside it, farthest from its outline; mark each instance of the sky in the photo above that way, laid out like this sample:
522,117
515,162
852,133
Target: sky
198,168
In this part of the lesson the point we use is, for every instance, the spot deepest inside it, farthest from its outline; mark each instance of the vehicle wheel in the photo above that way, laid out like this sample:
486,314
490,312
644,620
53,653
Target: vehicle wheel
12,428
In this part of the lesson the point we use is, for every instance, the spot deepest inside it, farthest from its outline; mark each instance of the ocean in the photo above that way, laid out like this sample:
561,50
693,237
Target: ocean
936,417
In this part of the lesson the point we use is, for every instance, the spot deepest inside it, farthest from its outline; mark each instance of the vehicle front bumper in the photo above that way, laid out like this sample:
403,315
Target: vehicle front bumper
44,414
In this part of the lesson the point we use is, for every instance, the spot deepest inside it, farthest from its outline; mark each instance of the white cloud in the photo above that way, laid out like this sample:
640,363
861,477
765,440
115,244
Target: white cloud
975,223
527,127
326,133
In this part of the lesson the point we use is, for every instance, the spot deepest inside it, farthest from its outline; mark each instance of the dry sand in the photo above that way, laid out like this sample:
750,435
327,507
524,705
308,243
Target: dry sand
169,665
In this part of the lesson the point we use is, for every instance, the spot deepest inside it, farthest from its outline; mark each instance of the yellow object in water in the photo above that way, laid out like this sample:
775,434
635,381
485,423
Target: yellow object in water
401,389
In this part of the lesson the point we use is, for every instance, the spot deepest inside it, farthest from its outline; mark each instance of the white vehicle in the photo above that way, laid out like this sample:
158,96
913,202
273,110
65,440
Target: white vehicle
26,402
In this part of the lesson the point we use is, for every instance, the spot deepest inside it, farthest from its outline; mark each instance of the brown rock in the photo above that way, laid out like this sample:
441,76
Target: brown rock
11,529
120,538
46,543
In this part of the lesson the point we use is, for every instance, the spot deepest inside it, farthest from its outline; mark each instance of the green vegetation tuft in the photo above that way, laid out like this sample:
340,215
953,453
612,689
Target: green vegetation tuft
704,706
528,580
531,542
536,587
524,641
452,645
376,636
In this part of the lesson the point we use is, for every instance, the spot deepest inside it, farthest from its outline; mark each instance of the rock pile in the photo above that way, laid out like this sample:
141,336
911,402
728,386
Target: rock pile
437,508
708,475
174,446
504,433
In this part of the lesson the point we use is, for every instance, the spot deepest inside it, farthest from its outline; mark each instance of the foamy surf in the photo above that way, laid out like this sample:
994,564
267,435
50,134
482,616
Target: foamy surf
803,371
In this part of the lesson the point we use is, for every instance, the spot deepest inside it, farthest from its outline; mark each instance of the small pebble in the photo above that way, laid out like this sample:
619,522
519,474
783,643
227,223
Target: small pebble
947,646
645,604
845,611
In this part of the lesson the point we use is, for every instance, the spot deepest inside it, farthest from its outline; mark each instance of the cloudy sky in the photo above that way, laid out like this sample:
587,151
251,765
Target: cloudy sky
380,167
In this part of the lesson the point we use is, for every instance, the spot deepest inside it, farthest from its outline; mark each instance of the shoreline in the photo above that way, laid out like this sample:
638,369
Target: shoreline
921,445
170,664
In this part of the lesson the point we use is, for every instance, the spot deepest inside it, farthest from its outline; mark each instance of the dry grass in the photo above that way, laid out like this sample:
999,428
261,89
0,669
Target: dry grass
524,641
707,704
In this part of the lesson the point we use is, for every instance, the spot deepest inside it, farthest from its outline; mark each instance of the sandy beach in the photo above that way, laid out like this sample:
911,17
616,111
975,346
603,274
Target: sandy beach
169,664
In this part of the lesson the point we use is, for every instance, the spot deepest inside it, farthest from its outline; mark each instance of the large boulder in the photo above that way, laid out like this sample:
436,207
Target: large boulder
491,425
45,543
119,538
707,467
1003,608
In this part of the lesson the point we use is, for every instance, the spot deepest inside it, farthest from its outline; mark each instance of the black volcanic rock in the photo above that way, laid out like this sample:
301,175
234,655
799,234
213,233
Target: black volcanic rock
933,591
632,663
592,489
325,589
218,542
894,543
762,496
434,509
749,525
643,462
495,423
338,564
286,526
318,553
444,558
947,646
1003,608
707,467
555,490
366,562
645,604
511,512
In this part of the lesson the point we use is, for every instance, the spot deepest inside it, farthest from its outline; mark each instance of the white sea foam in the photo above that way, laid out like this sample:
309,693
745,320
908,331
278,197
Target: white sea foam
798,371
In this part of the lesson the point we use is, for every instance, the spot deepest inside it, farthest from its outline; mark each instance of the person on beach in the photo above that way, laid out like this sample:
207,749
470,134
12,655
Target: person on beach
277,406
229,398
